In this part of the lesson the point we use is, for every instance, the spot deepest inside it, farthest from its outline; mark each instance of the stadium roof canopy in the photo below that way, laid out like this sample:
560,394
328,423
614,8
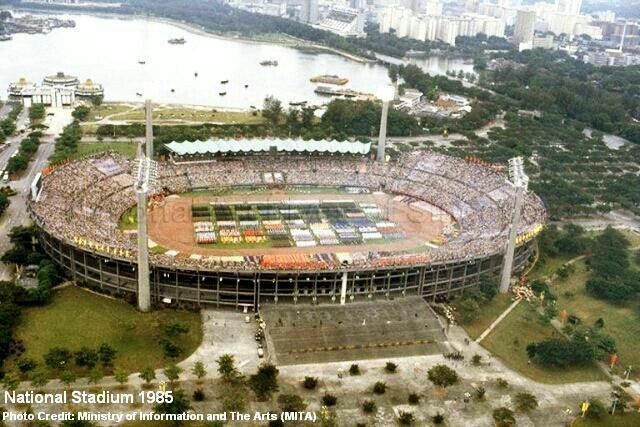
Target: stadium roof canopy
224,146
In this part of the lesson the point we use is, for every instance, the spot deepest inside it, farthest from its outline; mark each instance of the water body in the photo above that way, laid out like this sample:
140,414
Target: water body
107,50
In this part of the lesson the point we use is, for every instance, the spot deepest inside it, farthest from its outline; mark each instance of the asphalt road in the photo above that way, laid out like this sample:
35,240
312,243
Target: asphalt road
16,213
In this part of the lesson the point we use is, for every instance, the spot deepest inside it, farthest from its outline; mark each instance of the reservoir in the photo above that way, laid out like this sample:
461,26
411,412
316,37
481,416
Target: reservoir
109,51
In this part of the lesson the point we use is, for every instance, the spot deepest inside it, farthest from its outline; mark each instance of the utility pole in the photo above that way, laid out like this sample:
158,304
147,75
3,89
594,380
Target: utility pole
149,128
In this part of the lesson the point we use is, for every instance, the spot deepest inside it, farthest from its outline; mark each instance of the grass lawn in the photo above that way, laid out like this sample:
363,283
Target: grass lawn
621,322
488,313
124,148
77,318
522,327
107,109
629,419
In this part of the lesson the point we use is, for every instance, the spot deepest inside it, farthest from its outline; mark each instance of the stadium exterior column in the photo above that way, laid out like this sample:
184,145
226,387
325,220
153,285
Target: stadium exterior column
149,128
382,136
343,289
144,293
507,265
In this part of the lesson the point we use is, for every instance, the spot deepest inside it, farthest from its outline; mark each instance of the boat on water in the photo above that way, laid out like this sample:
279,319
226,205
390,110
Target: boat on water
343,93
195,74
138,94
298,104
224,82
142,62
269,62
180,40
5,37
172,90
246,86
330,79
222,93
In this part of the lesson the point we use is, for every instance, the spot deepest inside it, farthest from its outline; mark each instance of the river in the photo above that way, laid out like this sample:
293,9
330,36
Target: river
107,50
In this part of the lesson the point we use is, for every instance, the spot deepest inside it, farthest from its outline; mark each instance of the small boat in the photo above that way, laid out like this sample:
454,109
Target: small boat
172,90
224,82
253,107
246,86
222,93
138,94
270,62
181,40
142,62
195,74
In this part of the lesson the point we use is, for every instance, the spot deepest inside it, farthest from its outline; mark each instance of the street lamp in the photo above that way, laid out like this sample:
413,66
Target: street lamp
520,182
386,95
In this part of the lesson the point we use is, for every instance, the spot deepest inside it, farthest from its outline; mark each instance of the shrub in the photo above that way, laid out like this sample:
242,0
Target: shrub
502,383
369,406
310,383
291,403
476,360
25,365
504,417
354,369
379,387
406,418
198,395
391,367
596,410
480,392
329,400
437,419
525,402
442,375
414,399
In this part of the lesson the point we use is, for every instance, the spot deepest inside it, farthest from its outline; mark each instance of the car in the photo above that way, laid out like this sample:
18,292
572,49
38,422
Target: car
260,353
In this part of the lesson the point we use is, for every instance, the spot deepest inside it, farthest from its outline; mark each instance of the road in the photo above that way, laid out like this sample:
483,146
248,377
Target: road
16,213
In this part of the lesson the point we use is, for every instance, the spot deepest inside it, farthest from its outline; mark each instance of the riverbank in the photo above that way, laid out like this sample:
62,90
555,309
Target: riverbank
278,39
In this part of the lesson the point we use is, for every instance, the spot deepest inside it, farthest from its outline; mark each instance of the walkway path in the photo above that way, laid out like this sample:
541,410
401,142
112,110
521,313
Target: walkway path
497,321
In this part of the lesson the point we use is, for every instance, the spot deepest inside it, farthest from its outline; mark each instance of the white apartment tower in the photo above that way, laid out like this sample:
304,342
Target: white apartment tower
523,32
309,11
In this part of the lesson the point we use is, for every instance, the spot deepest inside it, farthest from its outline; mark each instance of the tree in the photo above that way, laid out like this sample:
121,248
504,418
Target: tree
310,383
95,375
488,286
172,372
291,403
234,398
379,387
561,353
227,369
369,406
272,110
198,395
265,381
199,370
67,377
11,381
414,398
525,402
39,378
468,310
391,367
36,112
442,375
329,400
406,418
504,417
354,369
122,376
179,405
148,374
81,113
57,358
86,357
106,354
4,203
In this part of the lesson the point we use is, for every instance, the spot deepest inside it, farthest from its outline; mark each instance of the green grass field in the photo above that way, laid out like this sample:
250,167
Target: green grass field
489,312
620,321
522,327
77,318
629,419
124,148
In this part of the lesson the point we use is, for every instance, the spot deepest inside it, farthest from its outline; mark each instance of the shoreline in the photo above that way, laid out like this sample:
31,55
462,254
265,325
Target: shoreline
201,31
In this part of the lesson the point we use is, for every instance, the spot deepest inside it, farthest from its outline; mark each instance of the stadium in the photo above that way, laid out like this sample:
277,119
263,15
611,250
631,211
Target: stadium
241,223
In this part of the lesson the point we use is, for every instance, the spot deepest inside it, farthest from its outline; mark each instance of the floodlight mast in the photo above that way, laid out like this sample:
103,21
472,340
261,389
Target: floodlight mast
520,182
145,172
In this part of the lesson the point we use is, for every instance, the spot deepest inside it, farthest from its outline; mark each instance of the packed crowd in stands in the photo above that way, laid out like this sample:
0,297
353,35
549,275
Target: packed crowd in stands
83,201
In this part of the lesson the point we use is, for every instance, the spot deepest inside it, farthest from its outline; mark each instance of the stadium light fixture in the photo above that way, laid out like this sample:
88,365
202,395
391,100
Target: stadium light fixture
145,171
520,181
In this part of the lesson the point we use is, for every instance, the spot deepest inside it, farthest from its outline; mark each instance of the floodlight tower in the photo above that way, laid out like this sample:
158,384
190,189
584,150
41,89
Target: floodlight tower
520,181
149,128
145,172
387,95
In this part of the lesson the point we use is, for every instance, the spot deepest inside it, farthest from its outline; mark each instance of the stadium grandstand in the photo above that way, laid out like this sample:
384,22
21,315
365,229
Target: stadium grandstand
343,21
283,222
